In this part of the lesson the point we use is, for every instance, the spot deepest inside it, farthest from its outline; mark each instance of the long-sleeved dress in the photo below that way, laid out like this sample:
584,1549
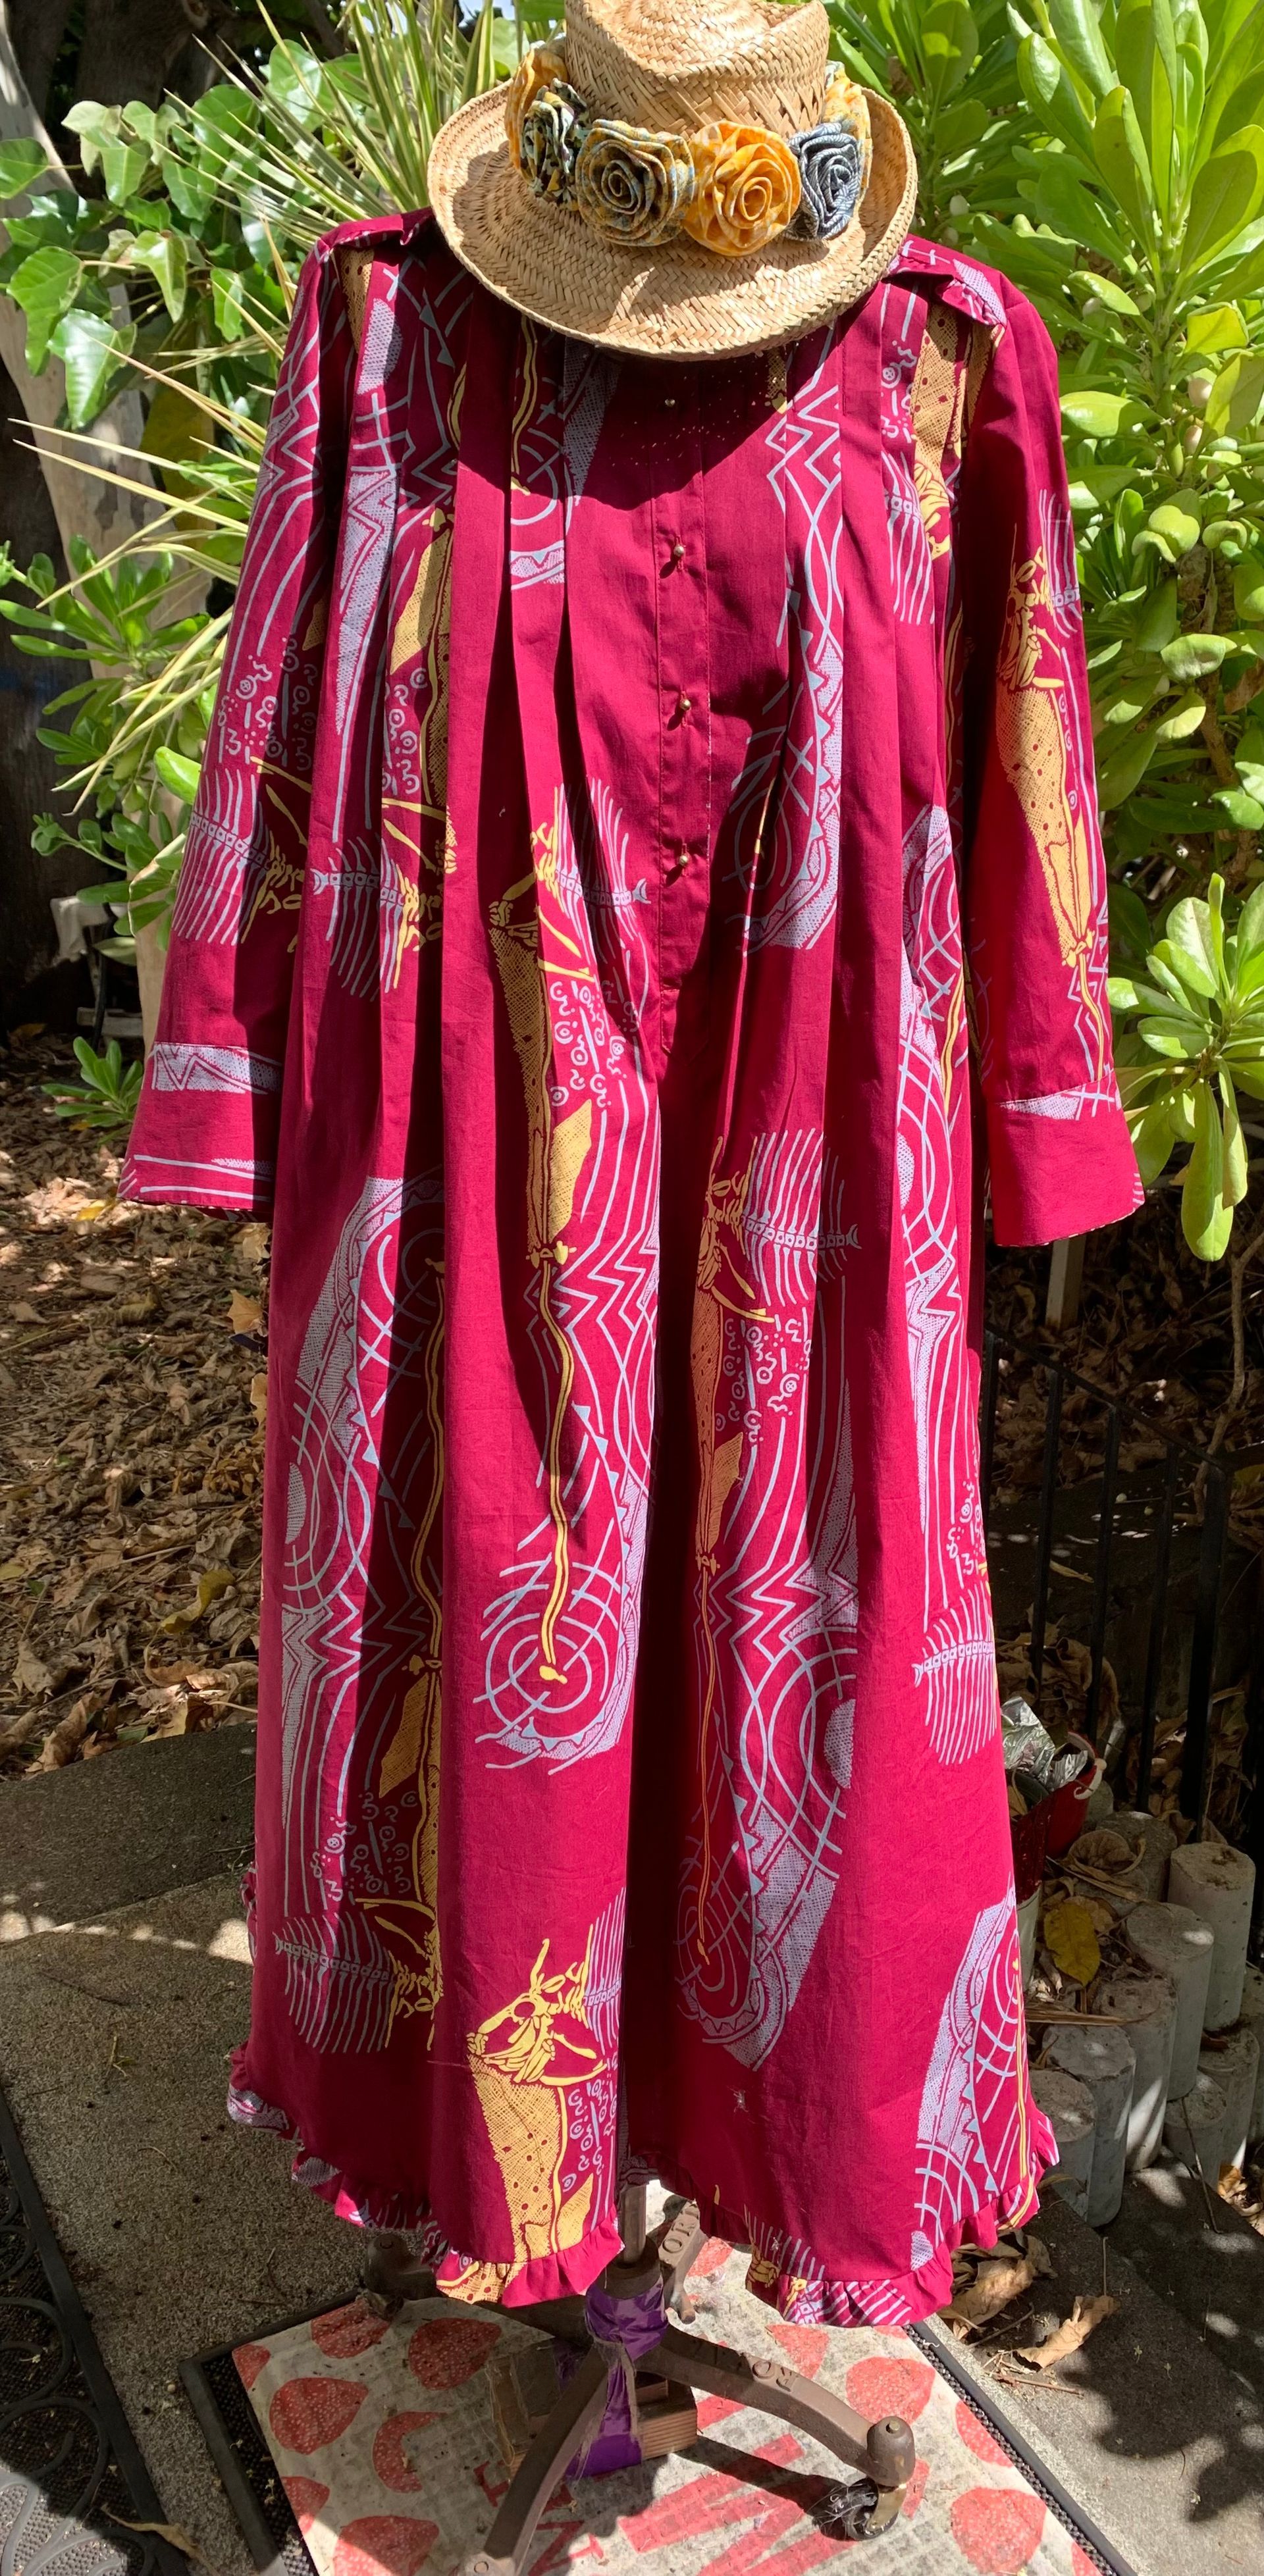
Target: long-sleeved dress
645,876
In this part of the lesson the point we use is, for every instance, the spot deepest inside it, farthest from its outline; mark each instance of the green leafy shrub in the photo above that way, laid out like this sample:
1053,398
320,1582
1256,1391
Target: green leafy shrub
107,1094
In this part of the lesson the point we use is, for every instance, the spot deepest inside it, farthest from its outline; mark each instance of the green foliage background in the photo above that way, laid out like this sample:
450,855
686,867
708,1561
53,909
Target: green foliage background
1109,158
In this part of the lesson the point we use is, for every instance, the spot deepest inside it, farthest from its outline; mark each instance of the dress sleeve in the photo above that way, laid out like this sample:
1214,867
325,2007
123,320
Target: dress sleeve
1035,880
205,1132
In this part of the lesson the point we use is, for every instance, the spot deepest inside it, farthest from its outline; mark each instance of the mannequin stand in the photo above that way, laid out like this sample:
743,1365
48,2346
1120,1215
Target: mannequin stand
629,2397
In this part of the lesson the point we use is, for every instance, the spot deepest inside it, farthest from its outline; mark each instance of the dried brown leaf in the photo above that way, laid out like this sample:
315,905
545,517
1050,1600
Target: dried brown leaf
245,1314
1073,2331
994,2287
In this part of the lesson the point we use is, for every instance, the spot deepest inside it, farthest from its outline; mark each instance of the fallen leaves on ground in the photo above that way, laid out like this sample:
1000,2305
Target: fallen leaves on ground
1068,2337
132,1399
985,2284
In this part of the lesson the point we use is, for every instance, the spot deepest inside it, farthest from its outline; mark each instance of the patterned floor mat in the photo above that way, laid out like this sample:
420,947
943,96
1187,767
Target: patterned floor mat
390,2444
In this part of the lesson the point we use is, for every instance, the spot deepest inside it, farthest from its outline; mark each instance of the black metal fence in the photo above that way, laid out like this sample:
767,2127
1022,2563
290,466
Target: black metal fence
1175,1639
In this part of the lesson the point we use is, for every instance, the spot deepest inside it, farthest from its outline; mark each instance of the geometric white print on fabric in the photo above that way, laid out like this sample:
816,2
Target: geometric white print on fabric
560,1633
971,2132
956,1670
352,1612
212,1068
792,779
776,1599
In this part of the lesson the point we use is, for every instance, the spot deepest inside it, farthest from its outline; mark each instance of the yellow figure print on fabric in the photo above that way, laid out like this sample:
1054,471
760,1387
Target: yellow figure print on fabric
723,1289
557,1149
410,1925
1032,735
526,2061
936,402
414,826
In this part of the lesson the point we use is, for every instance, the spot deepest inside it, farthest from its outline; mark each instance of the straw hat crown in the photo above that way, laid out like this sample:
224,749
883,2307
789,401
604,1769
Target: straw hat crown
675,69
677,102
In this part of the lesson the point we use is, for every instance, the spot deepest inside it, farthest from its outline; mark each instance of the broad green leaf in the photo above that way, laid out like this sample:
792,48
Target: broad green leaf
1156,619
1075,25
1095,415
91,351
1120,153
1250,1078
1183,721
1236,395
95,125
1202,1206
1153,1138
1179,999
45,286
1194,657
1248,587
177,773
1251,928
192,192
1227,193
1103,290
1168,1038
166,256
123,168
1179,526
1218,326
1145,54
1064,201
1188,943
1233,1183
21,163
1243,811
1049,90
1221,532
1128,702
1120,774
294,81
227,287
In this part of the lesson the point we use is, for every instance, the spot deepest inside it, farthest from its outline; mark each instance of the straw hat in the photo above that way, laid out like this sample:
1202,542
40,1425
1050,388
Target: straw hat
605,215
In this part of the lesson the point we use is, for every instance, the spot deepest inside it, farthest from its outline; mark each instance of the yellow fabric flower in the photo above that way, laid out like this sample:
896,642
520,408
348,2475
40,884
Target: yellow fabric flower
747,188
846,104
540,66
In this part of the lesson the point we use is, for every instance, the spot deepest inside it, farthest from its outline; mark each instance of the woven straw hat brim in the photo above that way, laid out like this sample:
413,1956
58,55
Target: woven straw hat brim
679,300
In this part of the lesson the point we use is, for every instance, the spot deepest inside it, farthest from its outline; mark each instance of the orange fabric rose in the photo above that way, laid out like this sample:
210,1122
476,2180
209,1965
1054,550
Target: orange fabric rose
539,67
747,188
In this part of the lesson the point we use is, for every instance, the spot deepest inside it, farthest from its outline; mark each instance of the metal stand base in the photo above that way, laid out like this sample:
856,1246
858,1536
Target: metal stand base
629,2397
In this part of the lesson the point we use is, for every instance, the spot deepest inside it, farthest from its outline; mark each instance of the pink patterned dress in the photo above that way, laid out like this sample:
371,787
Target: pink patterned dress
645,875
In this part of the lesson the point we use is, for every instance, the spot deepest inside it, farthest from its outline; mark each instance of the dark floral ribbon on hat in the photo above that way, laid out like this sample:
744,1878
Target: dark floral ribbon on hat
731,187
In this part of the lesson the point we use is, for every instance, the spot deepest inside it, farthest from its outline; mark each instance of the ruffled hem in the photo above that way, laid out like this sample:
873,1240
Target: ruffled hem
783,2272
460,2276
787,2276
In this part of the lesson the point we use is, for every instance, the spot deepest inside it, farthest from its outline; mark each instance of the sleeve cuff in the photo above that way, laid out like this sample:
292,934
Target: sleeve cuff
205,1131
1061,1164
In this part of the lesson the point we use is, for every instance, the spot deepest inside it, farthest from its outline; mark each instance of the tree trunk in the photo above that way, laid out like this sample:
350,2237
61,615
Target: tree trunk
84,506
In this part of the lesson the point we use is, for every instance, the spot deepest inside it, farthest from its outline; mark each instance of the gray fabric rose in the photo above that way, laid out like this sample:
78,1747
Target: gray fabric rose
553,129
830,165
631,185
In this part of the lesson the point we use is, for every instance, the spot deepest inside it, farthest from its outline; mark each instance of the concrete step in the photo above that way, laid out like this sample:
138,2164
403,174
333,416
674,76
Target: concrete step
1203,2259
136,1823
1158,2442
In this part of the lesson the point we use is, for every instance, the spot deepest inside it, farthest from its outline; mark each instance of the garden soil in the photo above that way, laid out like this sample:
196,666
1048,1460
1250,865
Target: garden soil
132,1400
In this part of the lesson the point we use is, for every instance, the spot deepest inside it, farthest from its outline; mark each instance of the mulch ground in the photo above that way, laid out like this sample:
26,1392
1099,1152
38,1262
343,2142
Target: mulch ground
131,1446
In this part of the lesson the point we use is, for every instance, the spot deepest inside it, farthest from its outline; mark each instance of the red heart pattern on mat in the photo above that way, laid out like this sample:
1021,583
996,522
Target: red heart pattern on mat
305,2414
384,2544
447,2350
348,2332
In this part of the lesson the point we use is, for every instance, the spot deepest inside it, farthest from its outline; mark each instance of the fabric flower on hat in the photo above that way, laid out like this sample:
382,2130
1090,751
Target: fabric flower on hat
630,185
553,129
829,161
540,67
846,104
746,188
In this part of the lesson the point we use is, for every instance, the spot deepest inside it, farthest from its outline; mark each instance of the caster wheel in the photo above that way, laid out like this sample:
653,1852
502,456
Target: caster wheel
862,2512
